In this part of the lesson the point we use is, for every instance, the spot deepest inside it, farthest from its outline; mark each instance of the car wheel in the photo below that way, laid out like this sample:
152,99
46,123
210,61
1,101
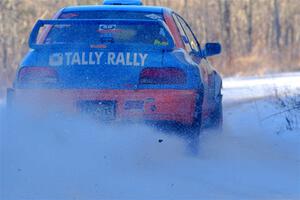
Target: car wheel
197,125
216,117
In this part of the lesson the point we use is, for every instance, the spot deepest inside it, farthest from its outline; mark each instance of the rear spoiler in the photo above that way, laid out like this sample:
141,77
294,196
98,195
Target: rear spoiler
33,38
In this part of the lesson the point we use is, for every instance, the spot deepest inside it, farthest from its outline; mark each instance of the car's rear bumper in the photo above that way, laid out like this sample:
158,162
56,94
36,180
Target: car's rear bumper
146,105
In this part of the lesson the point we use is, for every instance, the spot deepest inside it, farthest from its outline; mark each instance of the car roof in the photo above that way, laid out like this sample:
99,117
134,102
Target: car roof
122,2
152,9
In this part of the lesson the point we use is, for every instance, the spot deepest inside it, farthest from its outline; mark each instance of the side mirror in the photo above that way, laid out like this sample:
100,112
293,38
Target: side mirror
211,49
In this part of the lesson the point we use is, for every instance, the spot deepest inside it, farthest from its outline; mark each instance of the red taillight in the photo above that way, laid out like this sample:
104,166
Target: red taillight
37,75
163,76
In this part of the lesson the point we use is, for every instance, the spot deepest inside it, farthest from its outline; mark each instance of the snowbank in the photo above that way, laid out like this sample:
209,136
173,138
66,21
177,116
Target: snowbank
251,88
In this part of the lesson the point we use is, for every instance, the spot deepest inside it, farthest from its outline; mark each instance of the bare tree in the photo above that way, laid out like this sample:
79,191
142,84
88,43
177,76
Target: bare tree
253,32
276,24
249,14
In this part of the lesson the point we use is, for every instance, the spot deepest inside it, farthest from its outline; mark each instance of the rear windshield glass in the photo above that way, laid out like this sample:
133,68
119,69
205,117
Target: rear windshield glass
110,15
118,33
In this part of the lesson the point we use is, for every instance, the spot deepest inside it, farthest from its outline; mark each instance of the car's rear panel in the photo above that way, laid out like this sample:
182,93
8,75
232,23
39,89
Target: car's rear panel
109,82
117,105
154,91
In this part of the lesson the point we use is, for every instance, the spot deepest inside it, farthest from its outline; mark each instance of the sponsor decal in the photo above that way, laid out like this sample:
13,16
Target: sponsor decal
107,26
98,58
56,59
98,46
153,16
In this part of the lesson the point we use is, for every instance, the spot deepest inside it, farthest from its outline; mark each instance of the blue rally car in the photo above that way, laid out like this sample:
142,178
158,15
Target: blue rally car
120,61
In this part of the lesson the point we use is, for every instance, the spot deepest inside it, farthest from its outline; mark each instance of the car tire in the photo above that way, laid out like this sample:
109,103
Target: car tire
197,125
216,117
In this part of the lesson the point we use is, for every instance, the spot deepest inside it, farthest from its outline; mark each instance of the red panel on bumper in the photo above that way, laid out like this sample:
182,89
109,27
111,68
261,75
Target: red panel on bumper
159,105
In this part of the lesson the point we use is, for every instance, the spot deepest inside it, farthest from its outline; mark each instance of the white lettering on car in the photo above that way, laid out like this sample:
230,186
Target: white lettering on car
76,59
135,62
68,56
120,59
111,58
143,58
91,60
83,60
98,58
128,62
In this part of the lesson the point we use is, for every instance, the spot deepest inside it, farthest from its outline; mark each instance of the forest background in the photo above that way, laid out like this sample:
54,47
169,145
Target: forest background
258,36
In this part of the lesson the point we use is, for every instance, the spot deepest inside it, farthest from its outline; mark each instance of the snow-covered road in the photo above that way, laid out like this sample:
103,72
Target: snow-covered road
237,90
254,158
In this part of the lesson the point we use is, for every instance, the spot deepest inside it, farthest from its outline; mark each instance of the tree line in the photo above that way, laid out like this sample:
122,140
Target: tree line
258,36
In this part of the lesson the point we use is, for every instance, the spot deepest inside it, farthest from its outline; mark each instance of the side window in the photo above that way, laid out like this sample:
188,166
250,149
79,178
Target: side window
188,32
182,33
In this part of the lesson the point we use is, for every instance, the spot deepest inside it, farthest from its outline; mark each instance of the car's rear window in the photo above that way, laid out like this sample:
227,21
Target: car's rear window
110,15
114,32
97,34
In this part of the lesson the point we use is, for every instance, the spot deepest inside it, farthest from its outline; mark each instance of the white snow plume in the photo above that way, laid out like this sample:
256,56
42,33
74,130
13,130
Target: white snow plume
60,158
2,104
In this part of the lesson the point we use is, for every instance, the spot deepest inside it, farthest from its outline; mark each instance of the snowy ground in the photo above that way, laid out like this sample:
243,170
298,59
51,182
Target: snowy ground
254,158
251,88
